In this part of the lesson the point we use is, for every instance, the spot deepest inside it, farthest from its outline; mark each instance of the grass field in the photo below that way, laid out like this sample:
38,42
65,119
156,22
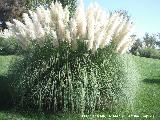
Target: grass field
147,97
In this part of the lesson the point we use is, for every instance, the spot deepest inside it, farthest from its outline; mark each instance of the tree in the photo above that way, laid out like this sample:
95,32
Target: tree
147,47
158,40
70,3
136,47
149,40
11,9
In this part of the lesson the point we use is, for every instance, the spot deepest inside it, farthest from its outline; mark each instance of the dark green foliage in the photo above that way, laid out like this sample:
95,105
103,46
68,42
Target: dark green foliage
60,79
70,3
5,90
31,4
136,47
8,46
111,76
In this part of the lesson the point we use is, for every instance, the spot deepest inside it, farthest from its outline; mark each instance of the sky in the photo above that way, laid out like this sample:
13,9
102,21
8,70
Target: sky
144,13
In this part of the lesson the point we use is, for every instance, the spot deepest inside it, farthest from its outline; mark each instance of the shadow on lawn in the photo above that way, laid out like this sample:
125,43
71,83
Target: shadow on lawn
5,92
152,81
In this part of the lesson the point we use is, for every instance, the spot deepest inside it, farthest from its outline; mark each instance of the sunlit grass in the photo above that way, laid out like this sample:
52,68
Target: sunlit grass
147,100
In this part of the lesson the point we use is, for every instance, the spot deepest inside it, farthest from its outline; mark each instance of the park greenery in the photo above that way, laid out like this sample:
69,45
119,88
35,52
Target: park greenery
148,46
60,61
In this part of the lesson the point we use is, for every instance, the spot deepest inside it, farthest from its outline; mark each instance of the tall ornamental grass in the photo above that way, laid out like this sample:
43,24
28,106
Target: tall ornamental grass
130,87
70,64
62,79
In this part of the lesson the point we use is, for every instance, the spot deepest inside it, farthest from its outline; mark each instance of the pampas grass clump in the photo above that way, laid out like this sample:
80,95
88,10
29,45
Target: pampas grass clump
55,79
70,64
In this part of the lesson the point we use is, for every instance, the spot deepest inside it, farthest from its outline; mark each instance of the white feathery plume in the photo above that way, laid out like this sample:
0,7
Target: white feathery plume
29,25
94,26
55,40
57,11
39,32
90,27
20,29
47,17
81,20
121,27
120,24
60,30
126,46
110,29
41,14
105,39
20,33
53,34
6,33
11,27
126,35
66,15
68,36
54,13
73,30
101,20
122,42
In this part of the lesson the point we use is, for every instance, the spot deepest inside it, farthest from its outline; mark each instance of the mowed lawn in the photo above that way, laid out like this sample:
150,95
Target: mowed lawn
147,103
148,96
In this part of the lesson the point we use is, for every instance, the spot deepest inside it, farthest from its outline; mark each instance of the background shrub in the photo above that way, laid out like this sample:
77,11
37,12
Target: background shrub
150,53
